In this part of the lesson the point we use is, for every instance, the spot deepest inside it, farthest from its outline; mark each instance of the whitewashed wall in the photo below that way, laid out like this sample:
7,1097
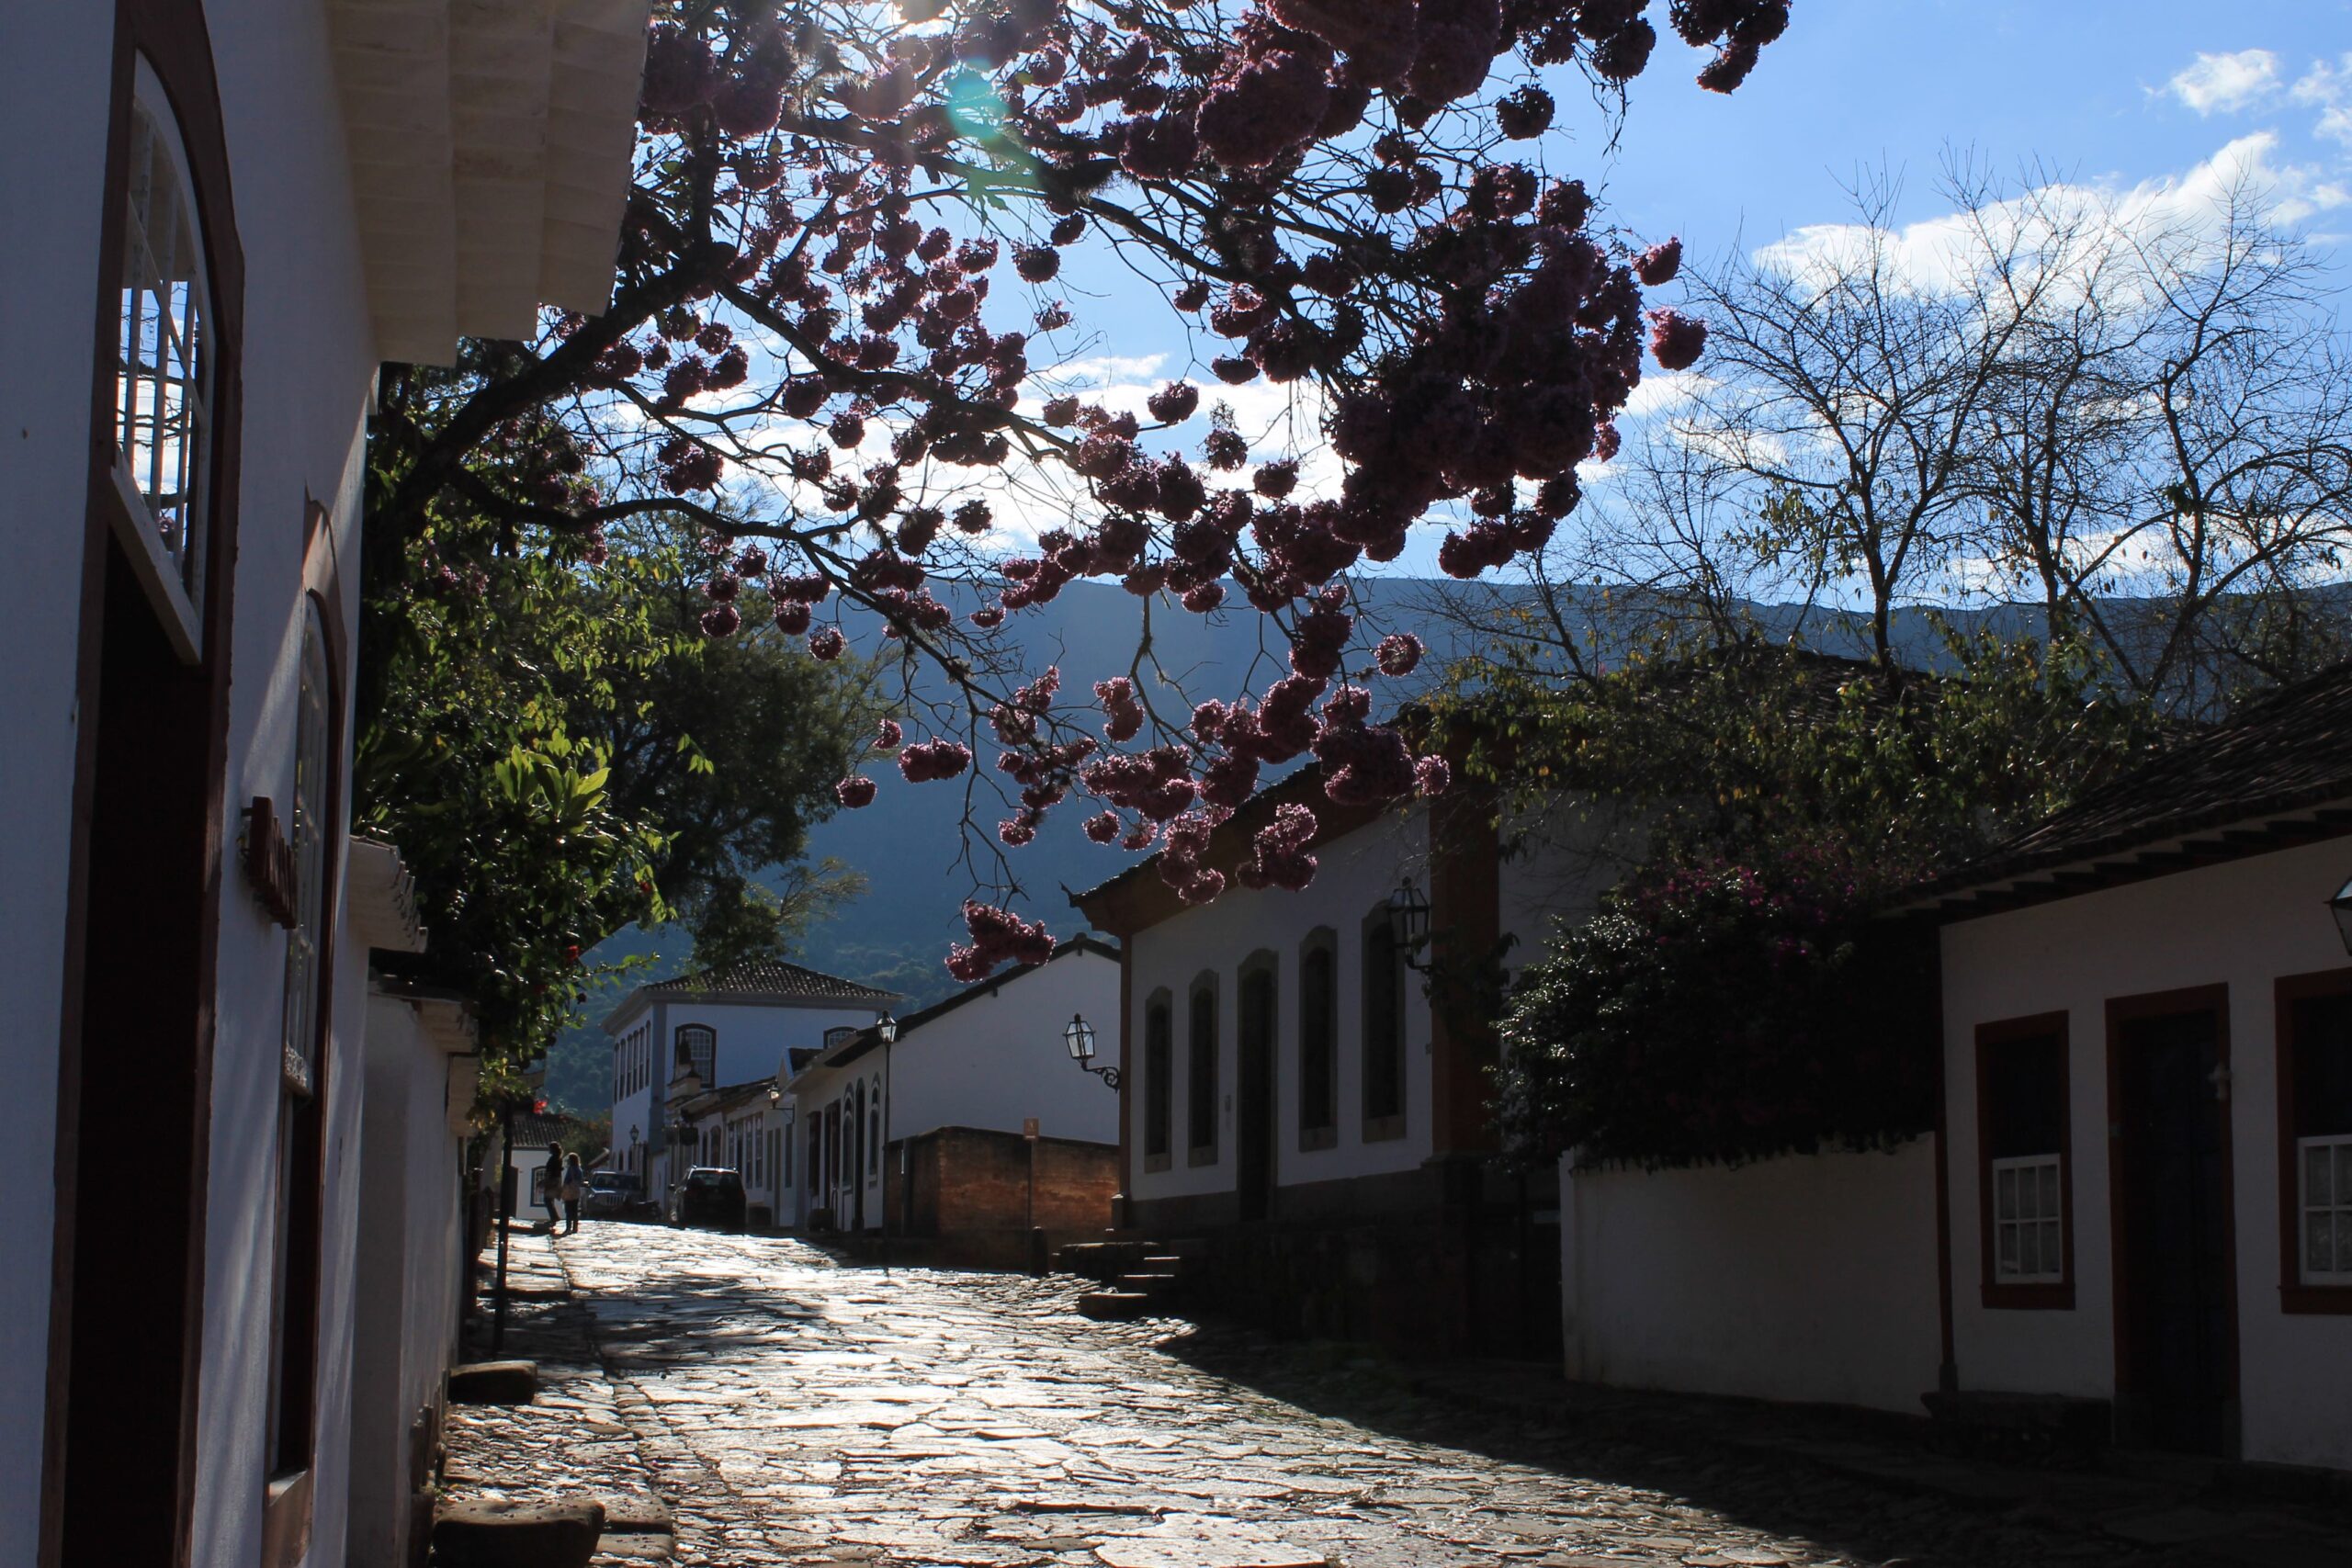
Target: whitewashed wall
2243,924
1000,1059
410,1262
1807,1277
309,364
52,97
1357,873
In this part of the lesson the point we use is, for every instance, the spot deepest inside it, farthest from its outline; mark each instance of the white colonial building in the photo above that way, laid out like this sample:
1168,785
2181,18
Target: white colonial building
2135,1215
1308,1089
674,1041
222,215
990,1058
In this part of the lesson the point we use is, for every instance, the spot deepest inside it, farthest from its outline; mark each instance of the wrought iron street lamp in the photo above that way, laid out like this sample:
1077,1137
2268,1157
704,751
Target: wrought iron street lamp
2341,907
886,1029
1409,924
1079,1038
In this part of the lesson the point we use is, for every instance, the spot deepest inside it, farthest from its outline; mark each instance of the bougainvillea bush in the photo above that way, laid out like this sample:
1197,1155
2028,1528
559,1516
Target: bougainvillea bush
841,290
1718,1012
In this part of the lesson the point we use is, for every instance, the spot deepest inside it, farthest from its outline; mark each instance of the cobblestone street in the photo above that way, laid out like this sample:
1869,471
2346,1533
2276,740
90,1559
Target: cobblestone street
786,1408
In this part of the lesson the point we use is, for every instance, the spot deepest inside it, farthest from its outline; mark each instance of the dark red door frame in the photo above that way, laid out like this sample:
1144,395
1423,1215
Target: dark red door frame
2122,1010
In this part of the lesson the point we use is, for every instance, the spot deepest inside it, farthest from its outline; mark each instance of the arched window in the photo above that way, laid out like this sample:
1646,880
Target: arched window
164,380
1384,1029
874,1131
1318,1041
1200,1070
1158,1079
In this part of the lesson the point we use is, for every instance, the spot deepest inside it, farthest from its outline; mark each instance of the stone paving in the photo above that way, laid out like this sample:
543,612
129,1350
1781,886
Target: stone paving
770,1406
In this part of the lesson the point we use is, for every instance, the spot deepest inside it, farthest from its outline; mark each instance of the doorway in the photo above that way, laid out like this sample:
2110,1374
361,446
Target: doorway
1254,1107
2175,1332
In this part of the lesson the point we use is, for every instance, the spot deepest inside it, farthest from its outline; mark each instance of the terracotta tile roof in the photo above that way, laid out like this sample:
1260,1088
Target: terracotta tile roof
773,981
2287,753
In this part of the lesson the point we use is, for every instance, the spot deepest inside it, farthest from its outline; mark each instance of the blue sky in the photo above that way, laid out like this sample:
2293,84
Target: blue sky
2129,96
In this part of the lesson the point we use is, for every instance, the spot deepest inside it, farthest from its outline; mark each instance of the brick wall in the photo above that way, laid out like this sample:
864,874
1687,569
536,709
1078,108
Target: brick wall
965,1183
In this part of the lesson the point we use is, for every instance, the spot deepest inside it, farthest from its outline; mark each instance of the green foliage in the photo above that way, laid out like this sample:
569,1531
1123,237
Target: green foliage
1723,1013
558,752
1736,1000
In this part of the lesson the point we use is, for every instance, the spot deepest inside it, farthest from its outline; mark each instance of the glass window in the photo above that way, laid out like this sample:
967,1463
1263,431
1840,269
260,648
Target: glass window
1159,1077
2319,1070
1200,1108
1319,996
163,418
2023,1143
1384,1029
698,1049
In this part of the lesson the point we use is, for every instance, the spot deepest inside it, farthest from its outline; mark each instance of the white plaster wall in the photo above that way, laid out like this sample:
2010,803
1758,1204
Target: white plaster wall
2243,924
53,79
1357,873
1808,1278
309,362
1000,1059
409,1243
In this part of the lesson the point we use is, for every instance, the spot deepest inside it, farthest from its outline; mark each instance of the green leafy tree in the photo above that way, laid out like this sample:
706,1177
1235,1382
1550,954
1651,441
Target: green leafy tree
558,752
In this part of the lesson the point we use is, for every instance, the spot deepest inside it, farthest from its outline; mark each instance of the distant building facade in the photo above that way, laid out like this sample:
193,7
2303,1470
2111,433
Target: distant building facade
676,1041
991,1060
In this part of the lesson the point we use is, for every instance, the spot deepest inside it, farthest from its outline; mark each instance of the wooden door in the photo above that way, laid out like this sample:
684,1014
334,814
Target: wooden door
2176,1342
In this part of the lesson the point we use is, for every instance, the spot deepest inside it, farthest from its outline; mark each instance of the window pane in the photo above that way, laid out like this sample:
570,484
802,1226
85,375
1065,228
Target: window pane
2004,1195
2318,1191
2343,1174
2344,1241
2008,1249
2049,1205
2052,1255
2319,1243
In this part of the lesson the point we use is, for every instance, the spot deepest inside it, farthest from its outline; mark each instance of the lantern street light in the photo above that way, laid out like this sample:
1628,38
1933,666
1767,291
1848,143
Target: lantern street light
1079,1038
886,1029
2341,907
1409,924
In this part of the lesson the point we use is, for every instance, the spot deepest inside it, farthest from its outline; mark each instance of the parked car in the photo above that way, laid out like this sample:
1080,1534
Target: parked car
710,1196
613,1195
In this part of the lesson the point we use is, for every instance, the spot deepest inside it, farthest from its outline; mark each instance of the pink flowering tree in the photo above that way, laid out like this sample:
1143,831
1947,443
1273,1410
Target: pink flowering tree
839,267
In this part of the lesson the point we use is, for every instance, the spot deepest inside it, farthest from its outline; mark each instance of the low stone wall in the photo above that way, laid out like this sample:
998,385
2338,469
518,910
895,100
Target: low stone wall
981,1197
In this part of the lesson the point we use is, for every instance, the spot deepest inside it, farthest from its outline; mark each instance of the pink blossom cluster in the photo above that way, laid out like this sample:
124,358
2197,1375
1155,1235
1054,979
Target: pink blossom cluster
1124,713
927,761
1279,855
1184,844
999,936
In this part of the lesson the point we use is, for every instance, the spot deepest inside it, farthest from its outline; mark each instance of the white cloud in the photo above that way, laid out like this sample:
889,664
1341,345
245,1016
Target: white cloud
1937,255
2328,88
2224,83
1102,370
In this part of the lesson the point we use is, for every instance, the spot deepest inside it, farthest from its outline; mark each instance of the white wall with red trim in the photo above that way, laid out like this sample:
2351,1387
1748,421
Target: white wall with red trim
2243,924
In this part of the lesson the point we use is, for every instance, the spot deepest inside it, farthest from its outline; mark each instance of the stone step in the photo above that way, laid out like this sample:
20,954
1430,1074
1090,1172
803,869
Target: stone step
1114,1306
485,1532
1168,1263
1152,1284
494,1382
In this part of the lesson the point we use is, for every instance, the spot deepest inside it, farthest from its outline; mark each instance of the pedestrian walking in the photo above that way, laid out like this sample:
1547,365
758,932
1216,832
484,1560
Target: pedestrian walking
551,1184
575,1188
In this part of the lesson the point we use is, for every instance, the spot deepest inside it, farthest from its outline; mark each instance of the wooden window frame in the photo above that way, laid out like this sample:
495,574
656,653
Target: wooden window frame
1205,983
2295,1297
1160,1077
1389,1128
2016,1295
1314,1136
